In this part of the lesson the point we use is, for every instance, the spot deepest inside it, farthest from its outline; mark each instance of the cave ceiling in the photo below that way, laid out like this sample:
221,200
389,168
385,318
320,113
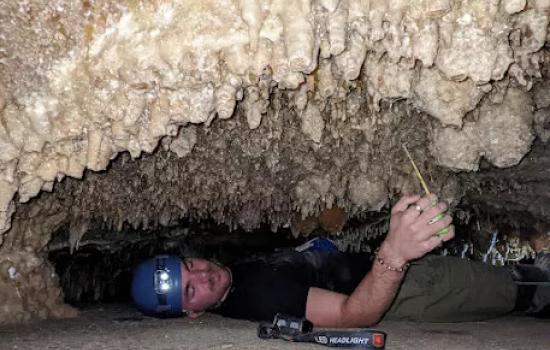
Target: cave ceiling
143,113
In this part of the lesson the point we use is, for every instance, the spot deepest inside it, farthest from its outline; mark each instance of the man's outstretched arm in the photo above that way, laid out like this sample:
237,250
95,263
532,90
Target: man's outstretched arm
411,236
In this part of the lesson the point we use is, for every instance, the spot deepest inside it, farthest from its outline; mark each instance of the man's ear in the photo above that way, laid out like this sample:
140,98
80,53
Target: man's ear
194,314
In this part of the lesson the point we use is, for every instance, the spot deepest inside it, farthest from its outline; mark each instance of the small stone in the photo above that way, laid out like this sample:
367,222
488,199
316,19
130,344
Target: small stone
333,219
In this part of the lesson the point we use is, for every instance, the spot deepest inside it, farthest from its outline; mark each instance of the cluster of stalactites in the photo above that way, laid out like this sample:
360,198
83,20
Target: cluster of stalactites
117,77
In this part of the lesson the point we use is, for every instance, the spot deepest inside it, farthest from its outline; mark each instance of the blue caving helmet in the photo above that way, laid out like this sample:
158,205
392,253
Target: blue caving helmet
156,286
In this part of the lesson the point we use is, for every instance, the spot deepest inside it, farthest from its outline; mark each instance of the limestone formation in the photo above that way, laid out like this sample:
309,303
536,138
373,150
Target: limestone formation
503,134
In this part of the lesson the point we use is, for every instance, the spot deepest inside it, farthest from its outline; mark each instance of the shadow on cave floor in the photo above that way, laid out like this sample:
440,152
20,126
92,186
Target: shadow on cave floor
118,326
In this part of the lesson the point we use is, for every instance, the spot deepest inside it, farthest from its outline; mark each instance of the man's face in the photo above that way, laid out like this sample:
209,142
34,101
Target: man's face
204,283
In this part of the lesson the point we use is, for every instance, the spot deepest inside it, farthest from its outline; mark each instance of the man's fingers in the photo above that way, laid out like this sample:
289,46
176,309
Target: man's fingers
449,235
426,230
436,240
427,201
419,206
432,213
403,203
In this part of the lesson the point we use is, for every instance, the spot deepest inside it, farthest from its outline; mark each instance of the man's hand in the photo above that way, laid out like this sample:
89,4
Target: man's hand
414,226
412,234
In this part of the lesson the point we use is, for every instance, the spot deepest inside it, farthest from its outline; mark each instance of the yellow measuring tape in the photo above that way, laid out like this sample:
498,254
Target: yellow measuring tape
422,182
426,190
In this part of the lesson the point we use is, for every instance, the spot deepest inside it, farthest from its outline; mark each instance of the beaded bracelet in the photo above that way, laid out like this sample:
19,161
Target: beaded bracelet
388,267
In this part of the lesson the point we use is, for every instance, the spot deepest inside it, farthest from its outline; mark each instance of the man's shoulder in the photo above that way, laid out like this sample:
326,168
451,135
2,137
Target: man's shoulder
260,274
261,290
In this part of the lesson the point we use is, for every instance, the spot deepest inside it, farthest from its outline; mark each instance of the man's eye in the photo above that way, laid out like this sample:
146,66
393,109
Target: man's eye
191,292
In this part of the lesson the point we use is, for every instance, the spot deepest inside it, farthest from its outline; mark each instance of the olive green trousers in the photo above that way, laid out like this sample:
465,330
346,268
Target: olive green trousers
449,289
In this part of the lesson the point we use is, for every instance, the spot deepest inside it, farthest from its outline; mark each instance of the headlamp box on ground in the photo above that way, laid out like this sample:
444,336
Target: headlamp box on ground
301,330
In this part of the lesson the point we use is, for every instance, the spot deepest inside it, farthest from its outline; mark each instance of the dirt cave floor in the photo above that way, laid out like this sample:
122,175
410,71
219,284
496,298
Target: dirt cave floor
113,326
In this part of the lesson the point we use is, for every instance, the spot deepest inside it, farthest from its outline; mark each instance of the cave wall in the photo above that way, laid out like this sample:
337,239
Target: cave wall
255,111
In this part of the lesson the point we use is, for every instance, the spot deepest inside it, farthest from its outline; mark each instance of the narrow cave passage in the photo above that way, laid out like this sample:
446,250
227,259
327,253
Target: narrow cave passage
93,261
98,268
95,275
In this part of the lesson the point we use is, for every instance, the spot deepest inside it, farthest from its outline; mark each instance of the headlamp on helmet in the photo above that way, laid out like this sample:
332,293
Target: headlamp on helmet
156,287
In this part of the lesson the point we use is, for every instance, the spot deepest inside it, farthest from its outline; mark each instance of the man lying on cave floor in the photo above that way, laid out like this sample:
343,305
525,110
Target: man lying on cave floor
334,289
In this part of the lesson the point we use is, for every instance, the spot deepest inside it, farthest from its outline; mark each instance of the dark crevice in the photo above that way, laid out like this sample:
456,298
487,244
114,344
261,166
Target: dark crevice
99,268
